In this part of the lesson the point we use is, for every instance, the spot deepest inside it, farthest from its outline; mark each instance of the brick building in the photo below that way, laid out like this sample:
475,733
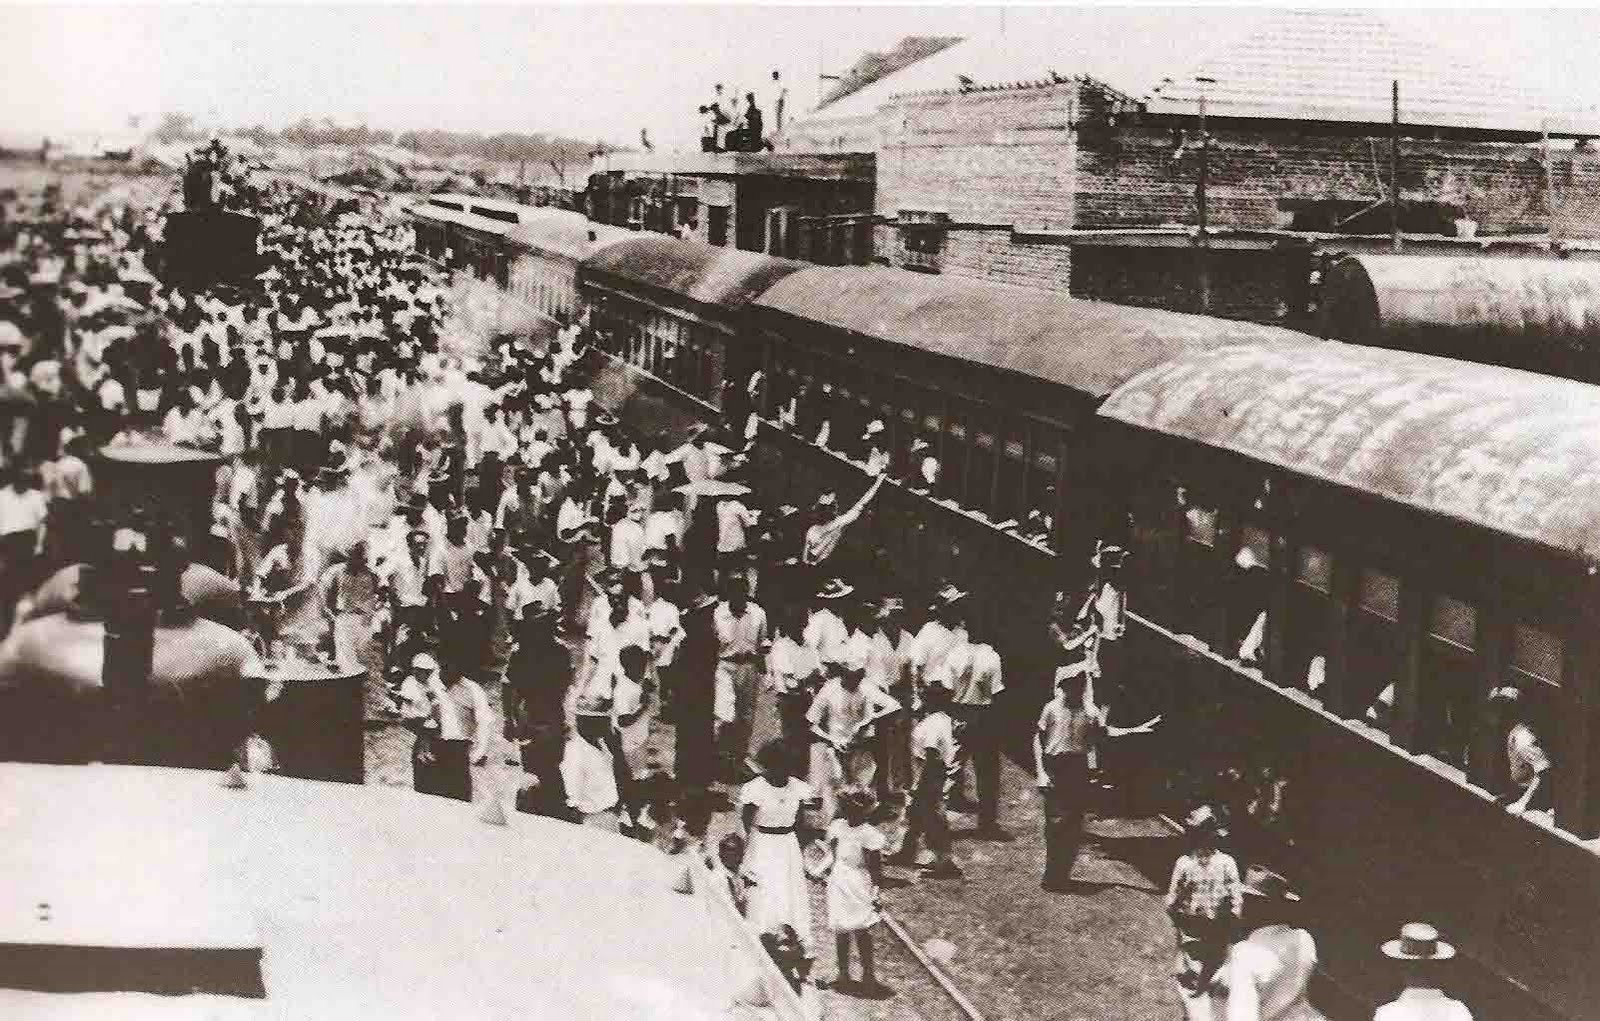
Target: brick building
1002,159
806,206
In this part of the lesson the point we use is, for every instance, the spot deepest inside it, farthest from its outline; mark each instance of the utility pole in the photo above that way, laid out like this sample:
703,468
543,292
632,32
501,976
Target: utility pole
1394,164
1203,242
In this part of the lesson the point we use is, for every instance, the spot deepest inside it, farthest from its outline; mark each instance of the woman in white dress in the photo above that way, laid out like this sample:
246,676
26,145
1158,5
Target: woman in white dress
856,848
769,807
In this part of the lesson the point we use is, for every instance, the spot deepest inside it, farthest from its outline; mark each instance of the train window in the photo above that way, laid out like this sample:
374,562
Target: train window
982,467
1444,708
1011,488
1379,594
1536,654
1454,621
1200,525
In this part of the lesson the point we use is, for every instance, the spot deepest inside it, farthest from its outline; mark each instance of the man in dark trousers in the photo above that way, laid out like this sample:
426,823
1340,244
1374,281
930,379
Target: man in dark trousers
693,690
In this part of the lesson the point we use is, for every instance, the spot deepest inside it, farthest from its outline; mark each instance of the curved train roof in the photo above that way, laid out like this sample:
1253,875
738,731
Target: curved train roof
701,273
470,220
564,234
365,902
1506,450
1550,300
1090,346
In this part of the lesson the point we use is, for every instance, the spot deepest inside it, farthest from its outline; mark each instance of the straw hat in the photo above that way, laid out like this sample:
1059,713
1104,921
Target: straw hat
1418,941
1108,554
1201,820
948,595
835,589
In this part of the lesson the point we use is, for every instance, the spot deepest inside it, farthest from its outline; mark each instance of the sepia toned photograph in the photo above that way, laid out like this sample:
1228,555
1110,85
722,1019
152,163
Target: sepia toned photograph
740,512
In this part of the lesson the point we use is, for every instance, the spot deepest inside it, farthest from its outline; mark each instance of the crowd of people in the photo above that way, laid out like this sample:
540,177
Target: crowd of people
463,520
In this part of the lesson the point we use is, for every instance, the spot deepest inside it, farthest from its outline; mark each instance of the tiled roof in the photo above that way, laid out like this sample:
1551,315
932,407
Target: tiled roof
1332,65
1323,65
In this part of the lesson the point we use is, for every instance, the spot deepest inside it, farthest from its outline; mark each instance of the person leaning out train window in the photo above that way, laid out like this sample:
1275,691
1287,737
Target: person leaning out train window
1528,765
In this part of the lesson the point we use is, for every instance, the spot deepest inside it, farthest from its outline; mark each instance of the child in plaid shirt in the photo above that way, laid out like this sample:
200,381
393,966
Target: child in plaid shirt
1205,901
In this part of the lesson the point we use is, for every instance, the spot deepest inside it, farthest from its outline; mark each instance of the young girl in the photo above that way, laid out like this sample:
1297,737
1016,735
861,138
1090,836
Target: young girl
853,880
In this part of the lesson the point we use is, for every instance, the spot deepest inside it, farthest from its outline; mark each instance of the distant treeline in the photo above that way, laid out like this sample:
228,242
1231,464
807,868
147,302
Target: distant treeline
536,148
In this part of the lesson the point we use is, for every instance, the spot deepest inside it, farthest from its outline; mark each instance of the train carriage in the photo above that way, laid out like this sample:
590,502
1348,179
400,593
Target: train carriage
465,240
1423,531
1541,314
1339,552
672,313
545,250
1001,384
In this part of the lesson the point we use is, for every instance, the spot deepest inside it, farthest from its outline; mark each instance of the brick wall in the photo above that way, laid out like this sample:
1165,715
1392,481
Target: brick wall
1141,178
1001,157
991,160
1244,284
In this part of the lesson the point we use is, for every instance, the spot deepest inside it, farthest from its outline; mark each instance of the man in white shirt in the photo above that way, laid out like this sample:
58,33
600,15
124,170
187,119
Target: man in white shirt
451,719
628,540
825,632
976,672
933,749
843,720
742,643
937,640
733,517
1419,946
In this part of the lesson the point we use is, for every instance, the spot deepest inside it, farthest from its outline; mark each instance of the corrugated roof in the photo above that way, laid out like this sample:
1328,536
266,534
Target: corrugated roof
1335,65
1510,451
1090,346
703,274
564,233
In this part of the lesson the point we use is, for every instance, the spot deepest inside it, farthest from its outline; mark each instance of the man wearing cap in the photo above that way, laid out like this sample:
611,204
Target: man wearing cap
1420,947
451,721
743,639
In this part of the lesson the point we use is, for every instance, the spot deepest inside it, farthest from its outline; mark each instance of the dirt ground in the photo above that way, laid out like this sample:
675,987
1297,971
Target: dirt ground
1021,954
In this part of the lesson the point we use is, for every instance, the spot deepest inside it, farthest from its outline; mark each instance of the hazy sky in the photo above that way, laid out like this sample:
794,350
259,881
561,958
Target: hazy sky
588,71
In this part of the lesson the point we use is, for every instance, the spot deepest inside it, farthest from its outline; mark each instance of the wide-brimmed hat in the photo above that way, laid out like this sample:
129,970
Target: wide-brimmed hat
835,588
948,595
1201,820
657,556
1108,553
1269,885
1418,941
